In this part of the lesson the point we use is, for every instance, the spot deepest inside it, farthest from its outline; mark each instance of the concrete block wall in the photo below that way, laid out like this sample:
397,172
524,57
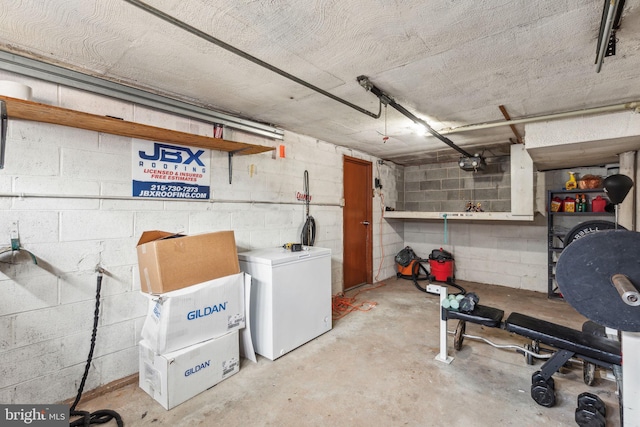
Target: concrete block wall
76,212
511,254
503,253
444,187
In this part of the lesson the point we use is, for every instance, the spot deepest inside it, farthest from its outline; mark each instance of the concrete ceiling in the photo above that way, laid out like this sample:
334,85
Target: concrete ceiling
451,63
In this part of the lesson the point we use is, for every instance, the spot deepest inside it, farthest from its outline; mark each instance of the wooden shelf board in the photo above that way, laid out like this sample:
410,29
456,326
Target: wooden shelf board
482,216
28,110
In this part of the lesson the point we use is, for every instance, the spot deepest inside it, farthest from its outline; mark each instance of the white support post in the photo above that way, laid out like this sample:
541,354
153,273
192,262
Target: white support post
442,291
631,379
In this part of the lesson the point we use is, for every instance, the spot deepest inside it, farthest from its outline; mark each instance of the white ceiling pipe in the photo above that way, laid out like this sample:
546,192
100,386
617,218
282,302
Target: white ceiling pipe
597,110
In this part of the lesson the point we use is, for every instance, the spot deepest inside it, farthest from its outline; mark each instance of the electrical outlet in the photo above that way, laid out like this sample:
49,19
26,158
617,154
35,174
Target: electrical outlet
378,183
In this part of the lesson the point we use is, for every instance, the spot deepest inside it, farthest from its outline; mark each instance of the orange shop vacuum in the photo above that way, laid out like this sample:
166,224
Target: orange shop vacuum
407,263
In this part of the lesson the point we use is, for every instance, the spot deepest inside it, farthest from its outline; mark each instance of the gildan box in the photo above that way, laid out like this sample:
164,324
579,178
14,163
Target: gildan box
168,261
175,377
194,314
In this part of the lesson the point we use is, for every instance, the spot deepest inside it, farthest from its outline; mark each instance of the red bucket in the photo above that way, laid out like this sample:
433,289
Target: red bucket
442,271
441,264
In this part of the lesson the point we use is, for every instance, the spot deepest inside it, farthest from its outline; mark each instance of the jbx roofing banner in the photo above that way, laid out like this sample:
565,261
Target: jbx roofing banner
169,171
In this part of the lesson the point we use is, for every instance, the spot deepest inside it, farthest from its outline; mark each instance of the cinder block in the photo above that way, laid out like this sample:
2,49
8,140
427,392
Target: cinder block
499,206
49,323
55,186
279,218
450,184
140,205
415,196
55,386
25,363
453,205
81,286
91,165
125,189
79,100
415,176
68,256
267,239
54,135
6,395
201,222
6,184
114,144
429,185
55,204
486,194
537,284
30,293
479,181
90,225
432,195
119,364
439,173
247,220
176,222
148,116
504,193
8,337
123,307
460,195
31,226
31,158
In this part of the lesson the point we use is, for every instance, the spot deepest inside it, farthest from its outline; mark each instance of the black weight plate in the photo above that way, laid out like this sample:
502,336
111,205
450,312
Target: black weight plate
592,401
584,273
543,395
587,417
459,335
588,227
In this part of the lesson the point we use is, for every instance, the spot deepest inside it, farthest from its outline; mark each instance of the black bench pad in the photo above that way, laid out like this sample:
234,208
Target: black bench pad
481,314
581,343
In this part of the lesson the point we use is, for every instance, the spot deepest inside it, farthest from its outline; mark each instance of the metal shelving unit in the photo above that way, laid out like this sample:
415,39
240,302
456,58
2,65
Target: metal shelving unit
559,224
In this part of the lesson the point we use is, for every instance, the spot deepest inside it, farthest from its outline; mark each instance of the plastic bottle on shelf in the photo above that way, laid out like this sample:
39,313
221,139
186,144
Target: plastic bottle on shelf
598,204
572,184
581,203
569,204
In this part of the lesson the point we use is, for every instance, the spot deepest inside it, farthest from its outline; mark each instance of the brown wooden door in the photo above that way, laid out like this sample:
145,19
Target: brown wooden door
357,223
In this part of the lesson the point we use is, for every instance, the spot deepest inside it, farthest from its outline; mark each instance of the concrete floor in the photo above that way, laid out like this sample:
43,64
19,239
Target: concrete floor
377,368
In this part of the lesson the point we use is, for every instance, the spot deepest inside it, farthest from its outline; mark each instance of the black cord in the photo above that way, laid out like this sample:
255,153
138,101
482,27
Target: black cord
101,416
308,235
416,277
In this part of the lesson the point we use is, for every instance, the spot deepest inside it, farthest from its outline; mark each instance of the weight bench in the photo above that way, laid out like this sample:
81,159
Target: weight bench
569,343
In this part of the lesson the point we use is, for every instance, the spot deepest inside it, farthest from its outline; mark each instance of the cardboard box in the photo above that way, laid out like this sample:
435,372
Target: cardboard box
194,314
175,377
168,261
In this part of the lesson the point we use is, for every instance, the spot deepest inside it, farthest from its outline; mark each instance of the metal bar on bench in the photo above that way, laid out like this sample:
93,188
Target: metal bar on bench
508,346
